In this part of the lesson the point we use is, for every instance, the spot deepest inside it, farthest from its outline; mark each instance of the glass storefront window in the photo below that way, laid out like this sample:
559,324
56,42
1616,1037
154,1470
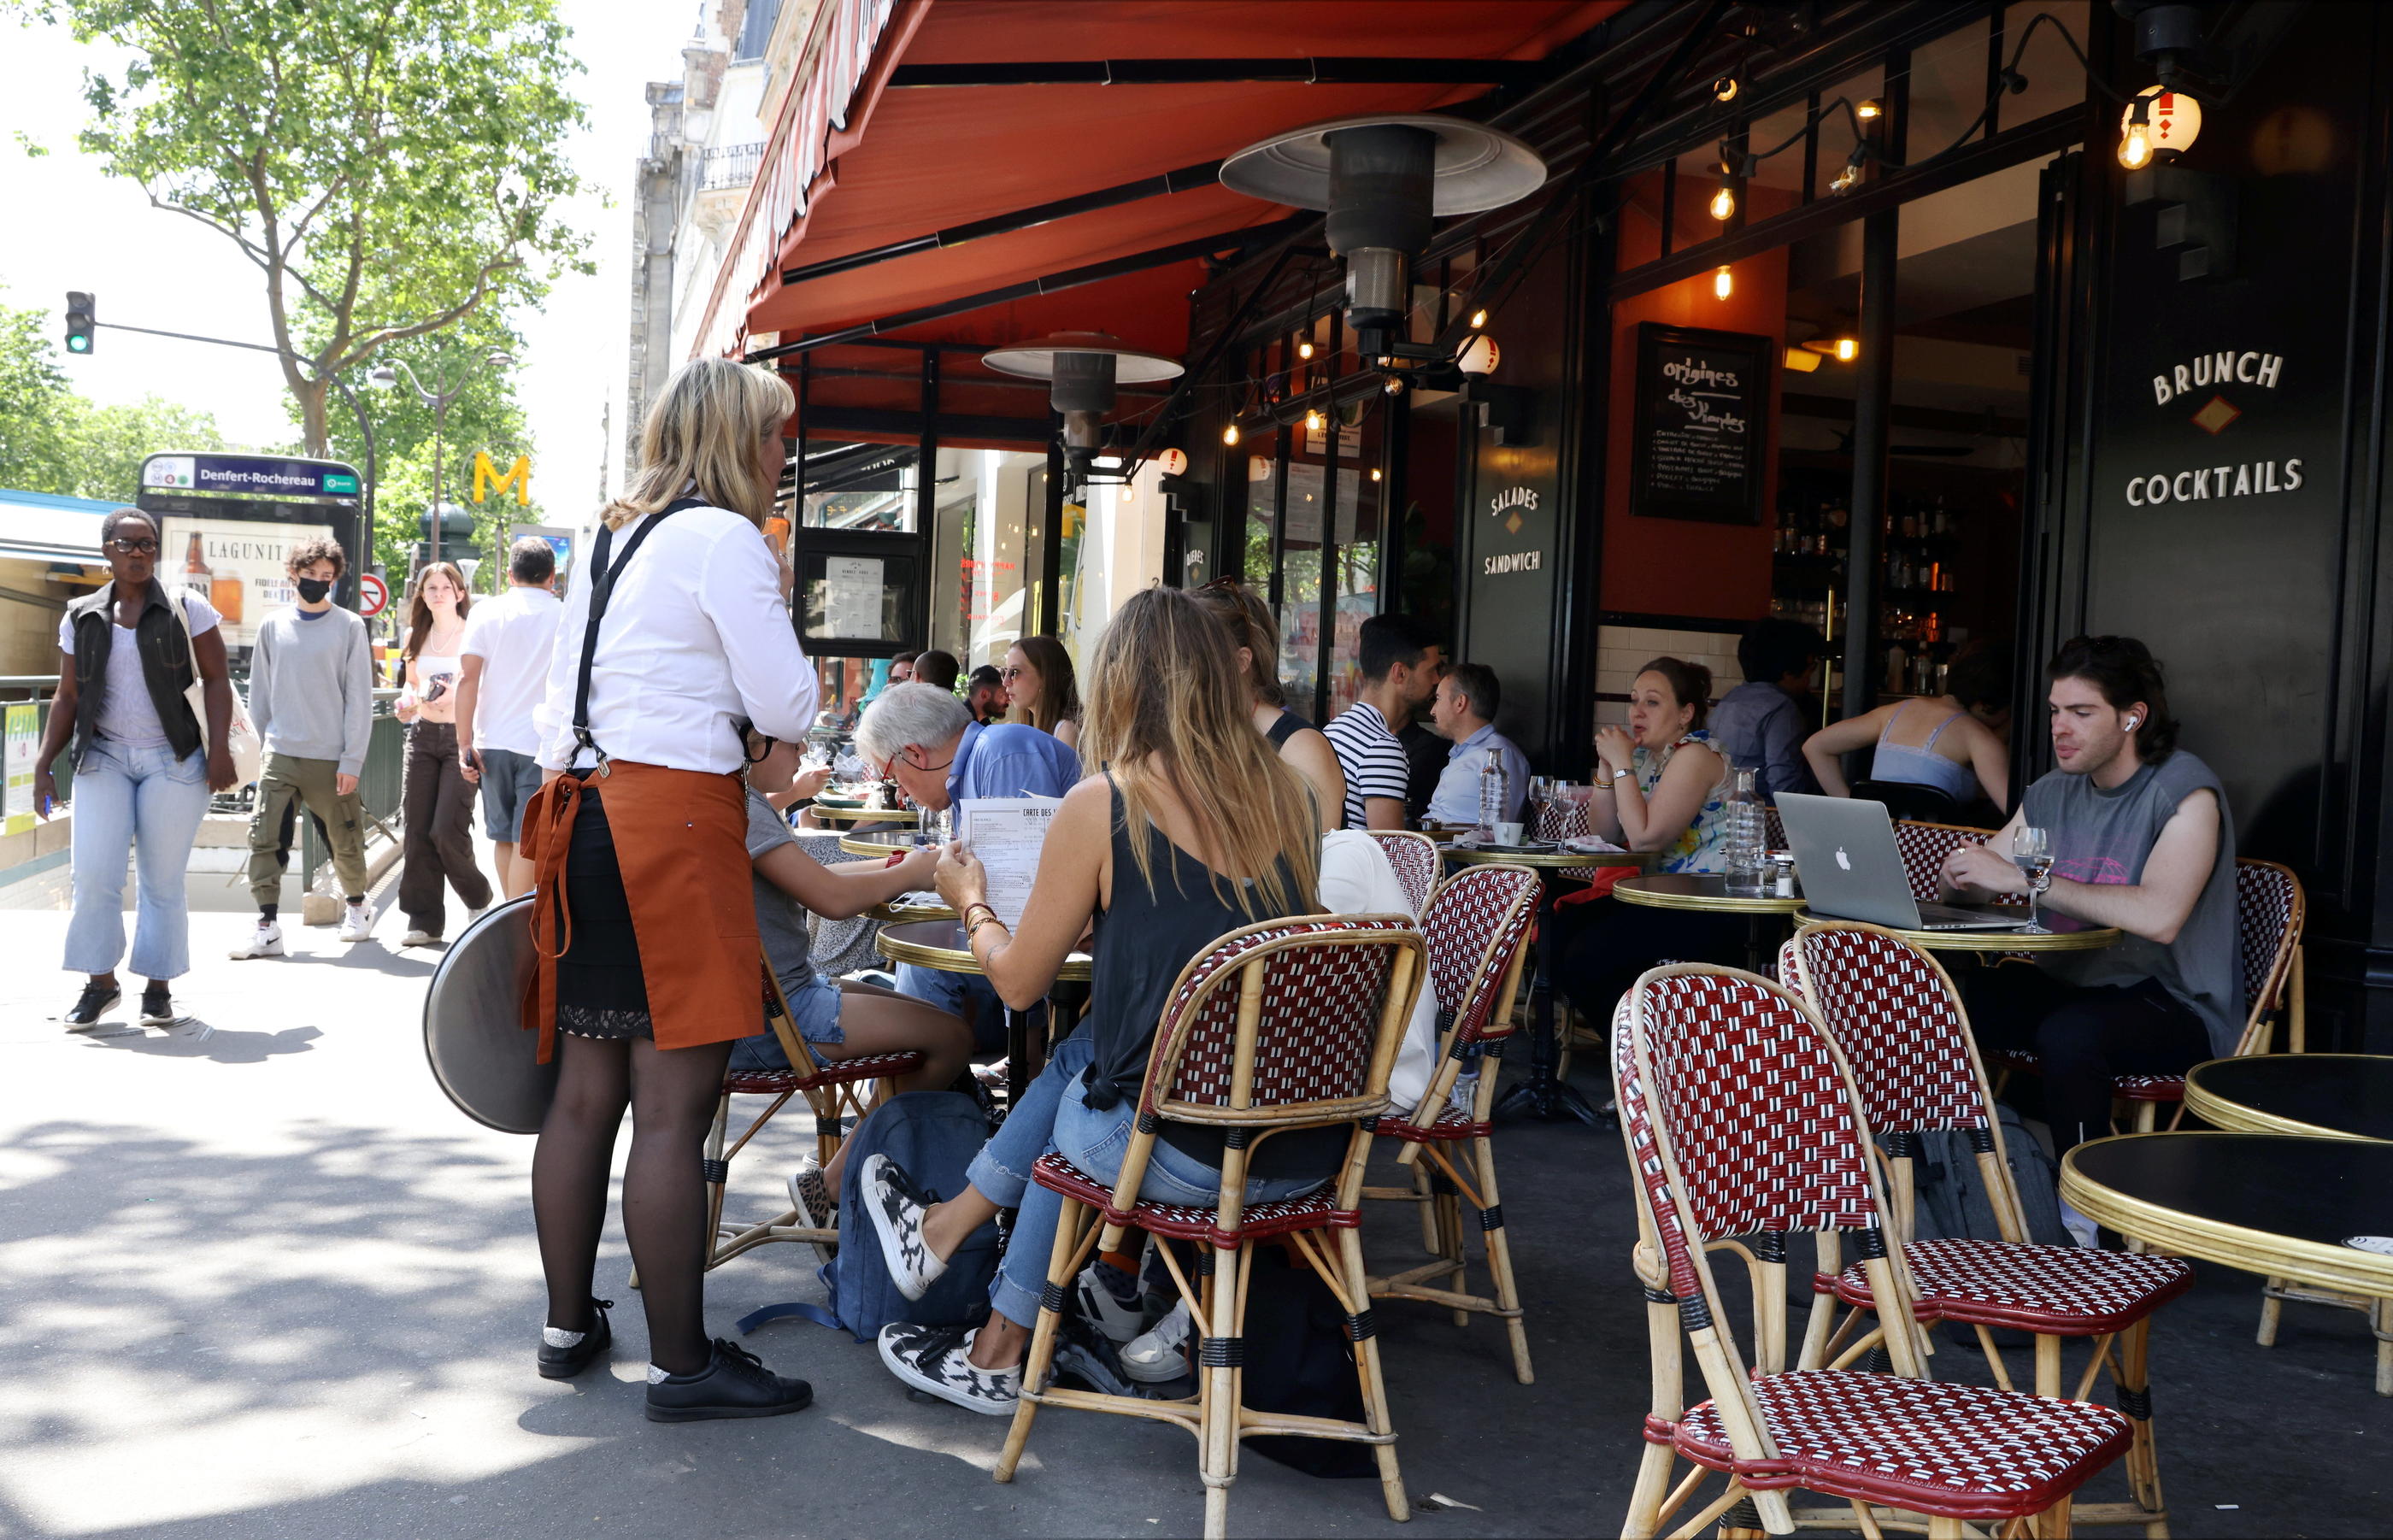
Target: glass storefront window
1263,508
850,486
1357,545
2055,78
1948,91
987,552
1300,607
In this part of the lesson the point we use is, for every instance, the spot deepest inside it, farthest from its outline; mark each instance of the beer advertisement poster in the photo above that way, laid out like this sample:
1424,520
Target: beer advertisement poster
236,564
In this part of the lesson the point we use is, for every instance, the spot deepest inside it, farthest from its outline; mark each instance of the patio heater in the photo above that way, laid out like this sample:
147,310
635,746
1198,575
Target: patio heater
1083,368
1382,182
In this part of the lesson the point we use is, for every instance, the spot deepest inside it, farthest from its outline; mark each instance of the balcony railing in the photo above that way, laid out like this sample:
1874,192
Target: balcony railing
730,165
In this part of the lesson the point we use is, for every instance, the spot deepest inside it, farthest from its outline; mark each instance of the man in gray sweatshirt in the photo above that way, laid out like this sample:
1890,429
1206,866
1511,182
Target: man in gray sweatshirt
311,696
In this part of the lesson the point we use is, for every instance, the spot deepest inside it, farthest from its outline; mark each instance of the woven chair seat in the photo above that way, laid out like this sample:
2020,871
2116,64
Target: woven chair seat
1965,1451
1451,1125
1188,1222
2055,1290
2128,1088
828,1072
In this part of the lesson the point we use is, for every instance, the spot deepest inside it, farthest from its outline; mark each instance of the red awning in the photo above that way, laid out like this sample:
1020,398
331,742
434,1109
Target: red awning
916,159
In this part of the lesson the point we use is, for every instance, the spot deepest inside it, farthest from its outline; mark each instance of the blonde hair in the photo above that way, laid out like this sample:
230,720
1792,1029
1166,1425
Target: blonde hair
1248,621
703,428
1167,708
1059,697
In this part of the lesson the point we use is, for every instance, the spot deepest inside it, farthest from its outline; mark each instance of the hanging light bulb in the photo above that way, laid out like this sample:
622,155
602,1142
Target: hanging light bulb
1230,436
1478,320
1722,285
1845,180
1314,421
1375,472
1725,88
1870,109
1848,349
1304,349
2136,143
1724,203
1395,385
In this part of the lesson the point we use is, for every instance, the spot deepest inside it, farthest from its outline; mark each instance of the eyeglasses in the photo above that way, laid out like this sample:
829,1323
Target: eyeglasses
124,545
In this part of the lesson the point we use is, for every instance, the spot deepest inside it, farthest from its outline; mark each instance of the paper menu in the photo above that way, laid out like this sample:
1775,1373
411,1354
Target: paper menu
1006,834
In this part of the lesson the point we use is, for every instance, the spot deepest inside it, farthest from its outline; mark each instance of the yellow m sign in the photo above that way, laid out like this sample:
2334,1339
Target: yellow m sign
487,478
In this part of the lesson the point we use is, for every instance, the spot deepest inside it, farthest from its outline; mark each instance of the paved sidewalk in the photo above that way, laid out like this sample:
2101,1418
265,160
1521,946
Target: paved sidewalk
267,1283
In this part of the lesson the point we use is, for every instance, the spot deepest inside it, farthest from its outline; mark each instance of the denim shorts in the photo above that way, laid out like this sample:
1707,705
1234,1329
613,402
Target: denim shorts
508,781
816,1009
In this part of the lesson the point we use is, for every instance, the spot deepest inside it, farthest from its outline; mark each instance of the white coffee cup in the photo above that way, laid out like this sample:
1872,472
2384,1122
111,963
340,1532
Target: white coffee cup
1507,834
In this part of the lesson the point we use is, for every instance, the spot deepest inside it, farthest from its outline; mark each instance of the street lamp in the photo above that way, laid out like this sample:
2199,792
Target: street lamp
386,375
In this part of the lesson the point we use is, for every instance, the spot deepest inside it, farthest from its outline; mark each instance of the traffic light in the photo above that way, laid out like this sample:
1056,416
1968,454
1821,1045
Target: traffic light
79,322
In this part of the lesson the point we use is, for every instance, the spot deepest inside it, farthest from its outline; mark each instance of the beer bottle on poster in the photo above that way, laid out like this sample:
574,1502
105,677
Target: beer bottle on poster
195,569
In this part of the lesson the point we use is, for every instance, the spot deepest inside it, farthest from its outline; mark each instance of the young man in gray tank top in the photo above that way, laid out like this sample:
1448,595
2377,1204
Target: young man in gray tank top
2142,841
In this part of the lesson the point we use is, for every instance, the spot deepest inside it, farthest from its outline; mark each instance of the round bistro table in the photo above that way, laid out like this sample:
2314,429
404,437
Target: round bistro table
2092,940
1707,893
878,842
1542,1093
905,815
941,943
2322,1095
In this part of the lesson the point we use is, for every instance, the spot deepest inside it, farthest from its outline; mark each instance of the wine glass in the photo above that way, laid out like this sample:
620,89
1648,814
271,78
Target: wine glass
1541,792
2032,853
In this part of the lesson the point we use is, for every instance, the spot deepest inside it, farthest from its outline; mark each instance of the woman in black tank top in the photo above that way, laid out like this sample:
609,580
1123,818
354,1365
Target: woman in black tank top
1195,829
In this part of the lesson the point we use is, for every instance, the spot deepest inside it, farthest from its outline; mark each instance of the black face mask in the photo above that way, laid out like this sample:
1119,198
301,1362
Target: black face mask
314,589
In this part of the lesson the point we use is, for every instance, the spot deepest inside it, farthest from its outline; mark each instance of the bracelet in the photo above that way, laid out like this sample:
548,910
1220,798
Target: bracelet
971,932
968,920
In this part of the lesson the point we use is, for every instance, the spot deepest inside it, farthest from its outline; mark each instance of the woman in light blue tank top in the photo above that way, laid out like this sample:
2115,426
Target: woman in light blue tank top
1982,768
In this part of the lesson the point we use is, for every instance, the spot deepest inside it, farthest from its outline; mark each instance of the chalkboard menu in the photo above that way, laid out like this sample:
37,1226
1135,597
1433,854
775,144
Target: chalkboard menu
1702,412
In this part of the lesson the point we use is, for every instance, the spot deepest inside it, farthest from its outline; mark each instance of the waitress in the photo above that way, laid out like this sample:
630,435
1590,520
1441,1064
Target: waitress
643,919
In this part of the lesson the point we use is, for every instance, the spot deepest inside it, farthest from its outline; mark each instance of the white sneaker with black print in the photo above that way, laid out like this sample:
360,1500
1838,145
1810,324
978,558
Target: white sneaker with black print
897,1207
936,1361
356,922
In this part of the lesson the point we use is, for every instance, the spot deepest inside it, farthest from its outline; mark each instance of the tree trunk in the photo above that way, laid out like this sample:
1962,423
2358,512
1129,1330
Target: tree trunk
311,396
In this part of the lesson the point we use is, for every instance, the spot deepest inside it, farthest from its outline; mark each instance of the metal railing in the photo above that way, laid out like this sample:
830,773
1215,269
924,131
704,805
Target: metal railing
729,166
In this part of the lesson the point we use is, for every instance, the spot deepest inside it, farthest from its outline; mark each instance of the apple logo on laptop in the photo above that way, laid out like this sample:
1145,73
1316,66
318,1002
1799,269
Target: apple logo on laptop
1843,862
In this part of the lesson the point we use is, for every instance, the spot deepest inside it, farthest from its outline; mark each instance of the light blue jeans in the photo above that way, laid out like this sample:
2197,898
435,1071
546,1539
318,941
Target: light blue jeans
144,801
1051,1115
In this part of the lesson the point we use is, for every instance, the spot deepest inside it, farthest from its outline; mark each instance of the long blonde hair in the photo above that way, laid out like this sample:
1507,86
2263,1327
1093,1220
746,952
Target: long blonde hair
703,428
1167,708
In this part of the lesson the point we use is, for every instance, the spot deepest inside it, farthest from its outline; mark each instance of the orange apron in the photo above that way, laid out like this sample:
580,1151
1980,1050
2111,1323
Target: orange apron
681,837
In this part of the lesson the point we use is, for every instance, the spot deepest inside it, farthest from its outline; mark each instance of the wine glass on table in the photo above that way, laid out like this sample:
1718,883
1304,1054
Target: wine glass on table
2032,853
1533,807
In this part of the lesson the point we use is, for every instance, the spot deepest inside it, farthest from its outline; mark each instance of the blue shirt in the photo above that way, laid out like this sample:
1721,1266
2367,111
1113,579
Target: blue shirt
1456,801
1760,728
1011,759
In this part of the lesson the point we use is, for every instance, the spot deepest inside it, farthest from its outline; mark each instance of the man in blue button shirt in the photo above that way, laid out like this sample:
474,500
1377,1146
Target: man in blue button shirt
925,739
1760,724
1462,713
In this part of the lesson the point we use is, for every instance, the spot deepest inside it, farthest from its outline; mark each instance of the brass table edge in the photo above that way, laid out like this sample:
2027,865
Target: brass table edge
1986,941
2241,1117
2233,1246
1707,902
952,960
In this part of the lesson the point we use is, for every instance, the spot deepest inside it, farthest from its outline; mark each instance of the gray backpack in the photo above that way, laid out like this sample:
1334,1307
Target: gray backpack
1949,1197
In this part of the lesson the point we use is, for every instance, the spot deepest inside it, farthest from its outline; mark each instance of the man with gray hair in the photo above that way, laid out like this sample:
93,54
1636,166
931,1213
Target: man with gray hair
925,739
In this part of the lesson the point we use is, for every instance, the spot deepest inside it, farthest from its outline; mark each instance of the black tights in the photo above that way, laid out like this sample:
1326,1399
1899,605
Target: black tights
673,1094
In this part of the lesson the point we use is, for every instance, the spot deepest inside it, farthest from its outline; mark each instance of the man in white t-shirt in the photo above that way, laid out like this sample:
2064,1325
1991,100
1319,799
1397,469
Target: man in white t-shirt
505,661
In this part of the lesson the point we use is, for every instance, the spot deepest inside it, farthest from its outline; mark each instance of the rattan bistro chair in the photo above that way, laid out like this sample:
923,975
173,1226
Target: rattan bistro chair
836,1090
1293,1024
1477,931
1415,858
1900,1024
1740,1122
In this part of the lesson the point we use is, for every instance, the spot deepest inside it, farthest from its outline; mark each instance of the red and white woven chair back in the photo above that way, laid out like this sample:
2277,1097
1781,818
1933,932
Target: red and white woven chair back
1773,828
1894,1016
1562,821
1759,1121
2268,915
1924,847
1476,924
1415,858
1316,1044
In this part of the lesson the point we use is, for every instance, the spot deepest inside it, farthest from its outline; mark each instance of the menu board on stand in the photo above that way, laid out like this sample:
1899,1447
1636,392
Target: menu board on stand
1703,400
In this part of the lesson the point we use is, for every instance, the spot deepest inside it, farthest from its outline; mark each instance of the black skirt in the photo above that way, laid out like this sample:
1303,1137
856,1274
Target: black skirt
601,991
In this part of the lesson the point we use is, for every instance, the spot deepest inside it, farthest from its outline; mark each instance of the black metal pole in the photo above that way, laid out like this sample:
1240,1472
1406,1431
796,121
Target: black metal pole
1872,398
1050,549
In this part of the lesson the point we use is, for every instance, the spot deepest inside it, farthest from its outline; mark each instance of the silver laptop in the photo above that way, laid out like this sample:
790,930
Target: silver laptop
1852,869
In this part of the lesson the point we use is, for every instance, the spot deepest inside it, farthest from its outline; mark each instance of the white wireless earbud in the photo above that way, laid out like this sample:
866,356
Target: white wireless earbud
2132,722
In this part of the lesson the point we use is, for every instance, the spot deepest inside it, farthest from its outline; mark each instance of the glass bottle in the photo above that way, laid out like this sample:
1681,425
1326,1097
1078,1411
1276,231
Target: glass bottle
1745,845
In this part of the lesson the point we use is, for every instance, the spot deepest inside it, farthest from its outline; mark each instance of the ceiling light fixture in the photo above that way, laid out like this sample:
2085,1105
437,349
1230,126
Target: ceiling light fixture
1083,368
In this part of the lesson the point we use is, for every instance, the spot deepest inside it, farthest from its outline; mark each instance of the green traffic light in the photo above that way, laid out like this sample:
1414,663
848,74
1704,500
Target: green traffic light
78,344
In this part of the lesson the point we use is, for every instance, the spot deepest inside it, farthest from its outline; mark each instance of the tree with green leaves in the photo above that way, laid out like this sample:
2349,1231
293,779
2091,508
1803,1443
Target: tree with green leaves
34,403
391,166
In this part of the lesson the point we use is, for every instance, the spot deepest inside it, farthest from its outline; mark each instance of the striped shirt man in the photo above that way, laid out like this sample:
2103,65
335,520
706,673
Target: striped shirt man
1372,759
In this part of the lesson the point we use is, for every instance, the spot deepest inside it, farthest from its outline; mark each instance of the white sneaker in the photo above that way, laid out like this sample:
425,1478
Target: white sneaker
415,938
357,922
1159,1355
265,941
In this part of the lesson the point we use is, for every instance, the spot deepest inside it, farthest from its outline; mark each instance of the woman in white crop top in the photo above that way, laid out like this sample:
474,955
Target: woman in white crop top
439,800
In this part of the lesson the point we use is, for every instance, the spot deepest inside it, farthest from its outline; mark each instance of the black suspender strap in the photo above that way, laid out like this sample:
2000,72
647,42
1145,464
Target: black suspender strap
602,589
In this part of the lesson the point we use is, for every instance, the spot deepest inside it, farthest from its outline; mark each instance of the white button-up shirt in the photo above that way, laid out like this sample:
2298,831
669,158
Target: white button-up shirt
1456,801
696,639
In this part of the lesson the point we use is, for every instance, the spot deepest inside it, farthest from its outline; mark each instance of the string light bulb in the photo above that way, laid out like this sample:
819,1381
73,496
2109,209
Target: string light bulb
1723,284
1395,385
1724,203
2158,124
1844,181
1314,421
1478,320
2136,144
1304,349
1375,472
1230,436
1848,349
1870,109
1725,88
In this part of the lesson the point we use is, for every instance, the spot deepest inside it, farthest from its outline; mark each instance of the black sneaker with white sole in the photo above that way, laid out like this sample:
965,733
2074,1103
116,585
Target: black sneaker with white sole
158,1006
95,1001
1111,1300
735,1383
897,1205
935,1359
563,1354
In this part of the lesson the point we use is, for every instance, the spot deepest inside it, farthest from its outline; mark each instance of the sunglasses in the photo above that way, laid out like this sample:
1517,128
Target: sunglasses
124,545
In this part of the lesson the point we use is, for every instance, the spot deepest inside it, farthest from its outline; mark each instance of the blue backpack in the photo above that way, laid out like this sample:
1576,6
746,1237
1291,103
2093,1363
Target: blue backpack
935,1135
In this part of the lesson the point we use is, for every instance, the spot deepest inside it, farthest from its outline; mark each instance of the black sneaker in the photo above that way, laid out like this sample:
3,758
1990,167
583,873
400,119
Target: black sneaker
95,1001
562,1361
157,1006
736,1385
